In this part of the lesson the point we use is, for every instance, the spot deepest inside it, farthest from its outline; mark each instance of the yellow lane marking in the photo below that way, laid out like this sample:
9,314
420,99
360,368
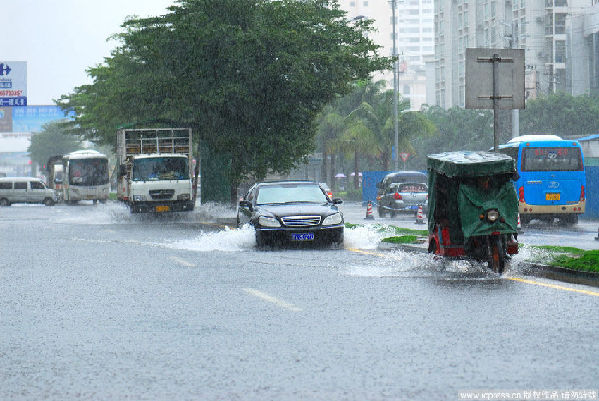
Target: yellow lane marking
554,286
269,298
366,252
181,261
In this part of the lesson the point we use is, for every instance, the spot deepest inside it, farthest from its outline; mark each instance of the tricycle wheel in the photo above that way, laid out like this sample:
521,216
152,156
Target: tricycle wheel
496,255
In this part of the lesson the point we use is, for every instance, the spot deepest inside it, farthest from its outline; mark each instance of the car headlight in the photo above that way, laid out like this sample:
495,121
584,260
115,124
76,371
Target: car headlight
268,221
139,198
184,197
492,215
332,219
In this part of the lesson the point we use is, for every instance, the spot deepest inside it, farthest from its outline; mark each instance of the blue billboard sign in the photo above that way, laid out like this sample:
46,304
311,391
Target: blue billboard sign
13,83
32,118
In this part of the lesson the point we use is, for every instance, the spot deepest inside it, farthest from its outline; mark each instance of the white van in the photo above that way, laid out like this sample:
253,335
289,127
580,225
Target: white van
25,190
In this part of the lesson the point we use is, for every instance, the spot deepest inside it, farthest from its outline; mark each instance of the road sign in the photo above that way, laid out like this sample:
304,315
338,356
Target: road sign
13,83
494,76
404,156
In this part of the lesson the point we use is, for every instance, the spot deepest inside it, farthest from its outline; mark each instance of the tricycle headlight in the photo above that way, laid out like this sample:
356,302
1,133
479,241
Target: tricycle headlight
268,221
332,219
139,198
184,197
492,215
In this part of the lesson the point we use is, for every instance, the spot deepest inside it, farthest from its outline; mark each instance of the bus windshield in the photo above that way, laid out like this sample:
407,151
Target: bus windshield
160,168
88,171
551,159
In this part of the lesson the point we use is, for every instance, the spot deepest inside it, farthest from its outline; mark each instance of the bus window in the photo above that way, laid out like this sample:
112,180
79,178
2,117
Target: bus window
551,159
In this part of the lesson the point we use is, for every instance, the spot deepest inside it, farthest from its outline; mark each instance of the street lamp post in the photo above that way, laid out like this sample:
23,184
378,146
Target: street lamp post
395,85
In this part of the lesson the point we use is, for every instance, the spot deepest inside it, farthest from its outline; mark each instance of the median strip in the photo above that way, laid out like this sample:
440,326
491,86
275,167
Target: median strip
269,298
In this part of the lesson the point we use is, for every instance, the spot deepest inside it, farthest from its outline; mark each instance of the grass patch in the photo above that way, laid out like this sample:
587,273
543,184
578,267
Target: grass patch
350,225
588,261
401,230
112,196
559,249
403,239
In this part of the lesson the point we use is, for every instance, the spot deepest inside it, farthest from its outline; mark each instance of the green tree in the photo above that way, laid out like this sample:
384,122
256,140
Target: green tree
249,76
52,141
561,114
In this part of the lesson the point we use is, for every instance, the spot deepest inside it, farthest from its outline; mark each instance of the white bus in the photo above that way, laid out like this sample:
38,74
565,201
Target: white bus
85,176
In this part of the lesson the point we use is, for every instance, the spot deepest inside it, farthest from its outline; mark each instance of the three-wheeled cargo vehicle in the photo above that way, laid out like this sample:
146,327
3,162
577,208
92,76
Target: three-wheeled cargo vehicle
473,207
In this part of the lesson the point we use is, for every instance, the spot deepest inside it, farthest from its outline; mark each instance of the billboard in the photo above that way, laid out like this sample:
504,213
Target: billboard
32,118
13,83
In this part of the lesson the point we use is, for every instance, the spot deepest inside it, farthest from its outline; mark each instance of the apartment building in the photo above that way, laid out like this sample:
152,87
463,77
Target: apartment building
538,26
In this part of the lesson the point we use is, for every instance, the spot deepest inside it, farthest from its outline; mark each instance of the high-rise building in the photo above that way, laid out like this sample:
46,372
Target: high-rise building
538,26
414,40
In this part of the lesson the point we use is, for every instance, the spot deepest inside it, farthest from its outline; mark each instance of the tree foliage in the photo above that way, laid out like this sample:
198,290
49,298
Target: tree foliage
52,141
249,76
561,114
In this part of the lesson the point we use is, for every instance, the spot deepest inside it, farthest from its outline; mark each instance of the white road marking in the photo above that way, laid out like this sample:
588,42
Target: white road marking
182,262
271,299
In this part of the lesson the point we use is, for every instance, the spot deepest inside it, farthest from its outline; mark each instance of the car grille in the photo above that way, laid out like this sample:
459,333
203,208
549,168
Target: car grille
301,221
162,193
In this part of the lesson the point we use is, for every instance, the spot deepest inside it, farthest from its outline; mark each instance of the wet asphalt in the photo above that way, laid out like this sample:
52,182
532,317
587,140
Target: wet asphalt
96,304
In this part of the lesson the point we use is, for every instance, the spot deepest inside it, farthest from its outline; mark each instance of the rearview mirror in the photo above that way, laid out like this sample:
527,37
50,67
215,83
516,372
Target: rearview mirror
245,203
337,201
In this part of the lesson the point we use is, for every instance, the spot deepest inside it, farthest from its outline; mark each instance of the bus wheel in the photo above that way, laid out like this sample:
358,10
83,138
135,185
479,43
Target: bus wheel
569,219
4,202
49,202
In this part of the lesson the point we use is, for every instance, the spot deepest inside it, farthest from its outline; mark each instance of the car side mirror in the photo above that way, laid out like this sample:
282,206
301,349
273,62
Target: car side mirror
122,170
245,203
337,201
57,181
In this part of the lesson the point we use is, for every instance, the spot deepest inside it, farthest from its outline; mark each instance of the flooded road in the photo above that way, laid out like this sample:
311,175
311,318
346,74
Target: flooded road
101,305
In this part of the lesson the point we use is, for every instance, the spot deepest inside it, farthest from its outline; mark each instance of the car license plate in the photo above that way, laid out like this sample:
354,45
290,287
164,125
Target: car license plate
552,196
302,237
162,209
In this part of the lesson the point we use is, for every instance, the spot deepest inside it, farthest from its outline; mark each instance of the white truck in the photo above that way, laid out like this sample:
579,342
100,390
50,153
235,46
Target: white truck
154,169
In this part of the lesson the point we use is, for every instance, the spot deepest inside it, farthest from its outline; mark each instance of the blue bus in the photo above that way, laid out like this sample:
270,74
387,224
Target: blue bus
551,178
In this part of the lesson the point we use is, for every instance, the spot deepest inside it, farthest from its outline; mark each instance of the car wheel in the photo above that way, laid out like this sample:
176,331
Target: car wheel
4,202
392,214
49,202
381,212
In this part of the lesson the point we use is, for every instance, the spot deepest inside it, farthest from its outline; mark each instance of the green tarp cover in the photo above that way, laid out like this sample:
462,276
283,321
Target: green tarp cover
470,164
473,202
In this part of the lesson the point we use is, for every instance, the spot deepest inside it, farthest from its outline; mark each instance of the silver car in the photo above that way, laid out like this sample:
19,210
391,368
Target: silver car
25,190
404,197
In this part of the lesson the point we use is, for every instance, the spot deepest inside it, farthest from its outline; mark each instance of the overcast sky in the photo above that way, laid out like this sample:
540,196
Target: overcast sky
60,39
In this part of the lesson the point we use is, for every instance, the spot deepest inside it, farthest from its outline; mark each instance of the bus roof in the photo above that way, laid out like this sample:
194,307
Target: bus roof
85,154
534,138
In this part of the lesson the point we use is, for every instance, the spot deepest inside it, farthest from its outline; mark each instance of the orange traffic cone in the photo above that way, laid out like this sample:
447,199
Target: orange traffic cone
519,225
369,215
419,216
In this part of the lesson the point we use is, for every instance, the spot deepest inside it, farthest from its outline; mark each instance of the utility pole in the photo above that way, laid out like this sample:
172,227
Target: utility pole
395,85
515,112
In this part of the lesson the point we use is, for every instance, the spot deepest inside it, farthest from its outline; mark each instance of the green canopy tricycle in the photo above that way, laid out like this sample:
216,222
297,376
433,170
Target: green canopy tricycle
473,207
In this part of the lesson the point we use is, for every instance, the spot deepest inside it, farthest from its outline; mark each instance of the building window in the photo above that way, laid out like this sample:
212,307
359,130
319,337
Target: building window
365,4
406,89
352,3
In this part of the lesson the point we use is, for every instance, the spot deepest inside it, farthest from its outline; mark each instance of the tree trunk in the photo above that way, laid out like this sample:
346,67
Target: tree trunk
234,198
333,180
323,167
356,172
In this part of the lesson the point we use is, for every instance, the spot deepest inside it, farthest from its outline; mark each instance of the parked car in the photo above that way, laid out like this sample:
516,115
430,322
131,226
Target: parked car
291,212
402,192
25,190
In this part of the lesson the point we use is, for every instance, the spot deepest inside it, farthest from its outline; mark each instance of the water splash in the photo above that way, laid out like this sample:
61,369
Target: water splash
228,240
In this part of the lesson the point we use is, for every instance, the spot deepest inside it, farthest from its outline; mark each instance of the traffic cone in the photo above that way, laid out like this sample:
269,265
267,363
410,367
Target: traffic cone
519,225
369,215
419,217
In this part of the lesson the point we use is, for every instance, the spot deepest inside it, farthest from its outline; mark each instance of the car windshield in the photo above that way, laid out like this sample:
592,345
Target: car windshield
290,193
160,168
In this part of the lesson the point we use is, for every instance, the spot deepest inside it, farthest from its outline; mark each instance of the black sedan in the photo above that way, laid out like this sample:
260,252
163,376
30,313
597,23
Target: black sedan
291,212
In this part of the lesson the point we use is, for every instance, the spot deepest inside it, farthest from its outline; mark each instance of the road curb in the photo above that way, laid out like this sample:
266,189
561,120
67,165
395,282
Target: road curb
532,269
